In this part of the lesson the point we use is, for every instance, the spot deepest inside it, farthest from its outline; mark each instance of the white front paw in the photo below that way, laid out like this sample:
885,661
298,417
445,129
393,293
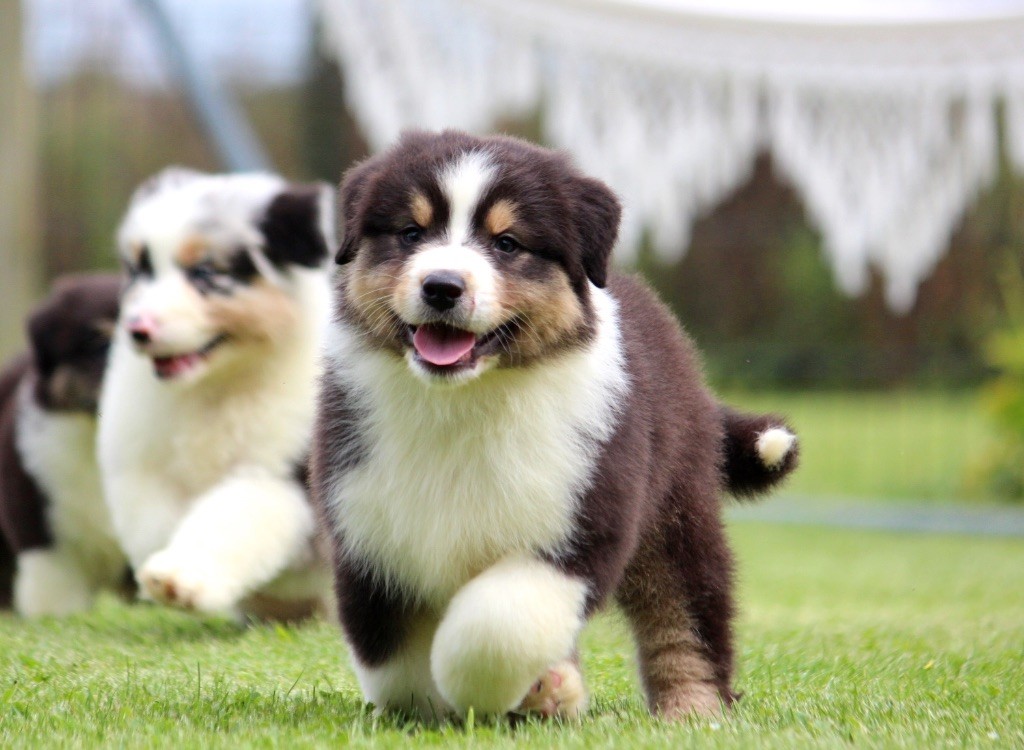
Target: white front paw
188,581
559,692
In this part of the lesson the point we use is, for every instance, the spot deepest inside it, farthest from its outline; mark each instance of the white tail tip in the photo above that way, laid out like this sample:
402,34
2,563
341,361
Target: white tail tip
774,445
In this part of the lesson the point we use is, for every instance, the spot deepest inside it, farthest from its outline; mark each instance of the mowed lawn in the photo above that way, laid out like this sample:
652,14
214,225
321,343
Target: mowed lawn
862,638
902,445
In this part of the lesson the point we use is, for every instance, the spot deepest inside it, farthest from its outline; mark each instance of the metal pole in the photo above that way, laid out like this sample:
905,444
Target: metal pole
220,117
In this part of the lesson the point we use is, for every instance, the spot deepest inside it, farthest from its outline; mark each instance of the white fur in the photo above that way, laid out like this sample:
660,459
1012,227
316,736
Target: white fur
458,477
475,270
404,681
502,631
773,445
162,449
59,451
270,523
198,476
179,200
463,183
51,582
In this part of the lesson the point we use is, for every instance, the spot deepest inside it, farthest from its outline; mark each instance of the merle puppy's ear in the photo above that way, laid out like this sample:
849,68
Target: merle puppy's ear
354,186
167,178
596,213
299,225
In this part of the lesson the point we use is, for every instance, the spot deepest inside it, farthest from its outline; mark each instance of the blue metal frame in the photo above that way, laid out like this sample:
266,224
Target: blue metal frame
219,115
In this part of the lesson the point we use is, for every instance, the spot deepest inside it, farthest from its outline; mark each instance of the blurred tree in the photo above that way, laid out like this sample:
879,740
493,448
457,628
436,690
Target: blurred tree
756,292
19,239
331,140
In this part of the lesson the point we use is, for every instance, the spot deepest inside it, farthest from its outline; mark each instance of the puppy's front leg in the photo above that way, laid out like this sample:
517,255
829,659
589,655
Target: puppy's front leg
144,511
237,537
503,630
389,638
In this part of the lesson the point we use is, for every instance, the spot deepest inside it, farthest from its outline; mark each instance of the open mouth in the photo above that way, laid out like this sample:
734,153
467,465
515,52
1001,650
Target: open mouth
445,350
177,365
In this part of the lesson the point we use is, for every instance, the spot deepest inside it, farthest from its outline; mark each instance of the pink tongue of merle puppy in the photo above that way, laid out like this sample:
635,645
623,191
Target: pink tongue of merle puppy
442,345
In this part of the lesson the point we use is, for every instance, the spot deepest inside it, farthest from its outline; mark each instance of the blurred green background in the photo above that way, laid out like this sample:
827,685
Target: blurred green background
926,406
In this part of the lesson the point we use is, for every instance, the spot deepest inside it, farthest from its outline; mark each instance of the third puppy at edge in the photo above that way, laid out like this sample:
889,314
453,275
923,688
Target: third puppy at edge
510,435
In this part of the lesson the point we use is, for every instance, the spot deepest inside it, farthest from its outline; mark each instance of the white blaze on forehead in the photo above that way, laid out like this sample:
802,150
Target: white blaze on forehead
463,184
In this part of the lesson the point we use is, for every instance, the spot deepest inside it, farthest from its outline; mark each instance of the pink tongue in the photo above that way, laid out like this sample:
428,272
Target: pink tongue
169,367
441,345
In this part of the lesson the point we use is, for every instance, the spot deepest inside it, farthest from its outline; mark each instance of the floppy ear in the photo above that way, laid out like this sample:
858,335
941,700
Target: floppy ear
37,326
299,225
353,188
596,213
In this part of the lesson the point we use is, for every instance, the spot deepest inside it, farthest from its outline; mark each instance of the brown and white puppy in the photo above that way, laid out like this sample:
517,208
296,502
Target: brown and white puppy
54,522
509,435
208,403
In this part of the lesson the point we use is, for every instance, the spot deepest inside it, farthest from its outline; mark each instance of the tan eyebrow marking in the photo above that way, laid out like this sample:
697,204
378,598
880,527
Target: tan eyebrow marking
422,211
500,217
191,251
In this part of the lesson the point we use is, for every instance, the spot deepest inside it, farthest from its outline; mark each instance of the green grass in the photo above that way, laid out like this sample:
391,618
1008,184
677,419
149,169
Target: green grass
872,639
881,446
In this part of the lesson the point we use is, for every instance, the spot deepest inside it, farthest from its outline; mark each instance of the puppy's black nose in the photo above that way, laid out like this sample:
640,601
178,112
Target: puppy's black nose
441,290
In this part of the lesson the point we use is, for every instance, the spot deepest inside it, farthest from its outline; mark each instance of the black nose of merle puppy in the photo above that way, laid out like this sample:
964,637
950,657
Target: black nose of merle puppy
442,290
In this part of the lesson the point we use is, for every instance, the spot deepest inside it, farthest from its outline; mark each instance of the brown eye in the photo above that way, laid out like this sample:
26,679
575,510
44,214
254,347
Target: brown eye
506,244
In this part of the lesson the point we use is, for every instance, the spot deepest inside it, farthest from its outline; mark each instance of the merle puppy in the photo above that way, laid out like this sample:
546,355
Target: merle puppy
55,528
208,402
510,434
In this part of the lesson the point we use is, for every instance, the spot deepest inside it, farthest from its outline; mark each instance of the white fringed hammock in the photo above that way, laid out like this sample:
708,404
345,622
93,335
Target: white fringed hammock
883,115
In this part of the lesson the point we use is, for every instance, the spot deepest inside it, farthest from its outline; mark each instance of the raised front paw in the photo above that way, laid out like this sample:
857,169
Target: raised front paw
558,692
188,582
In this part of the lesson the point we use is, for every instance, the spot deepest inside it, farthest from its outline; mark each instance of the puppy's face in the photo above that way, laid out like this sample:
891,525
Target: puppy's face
467,254
70,335
208,261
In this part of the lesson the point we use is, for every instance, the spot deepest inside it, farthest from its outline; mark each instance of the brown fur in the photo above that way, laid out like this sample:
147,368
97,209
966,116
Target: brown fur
259,312
369,294
549,312
69,335
648,531
500,217
192,251
422,211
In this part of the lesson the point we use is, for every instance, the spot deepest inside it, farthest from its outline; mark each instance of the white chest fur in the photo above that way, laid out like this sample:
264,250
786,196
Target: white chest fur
190,438
59,451
455,478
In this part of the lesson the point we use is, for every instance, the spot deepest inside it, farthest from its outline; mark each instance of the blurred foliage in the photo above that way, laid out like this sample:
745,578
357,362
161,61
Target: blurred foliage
754,288
1000,468
100,139
757,294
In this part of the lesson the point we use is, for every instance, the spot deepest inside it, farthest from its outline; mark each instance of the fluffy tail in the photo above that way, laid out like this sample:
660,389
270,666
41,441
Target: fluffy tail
760,451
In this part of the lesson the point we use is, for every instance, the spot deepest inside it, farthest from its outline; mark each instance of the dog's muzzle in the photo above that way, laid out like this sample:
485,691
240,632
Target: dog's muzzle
441,290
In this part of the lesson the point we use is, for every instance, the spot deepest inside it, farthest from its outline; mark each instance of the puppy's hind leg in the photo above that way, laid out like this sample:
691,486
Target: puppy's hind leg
676,595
